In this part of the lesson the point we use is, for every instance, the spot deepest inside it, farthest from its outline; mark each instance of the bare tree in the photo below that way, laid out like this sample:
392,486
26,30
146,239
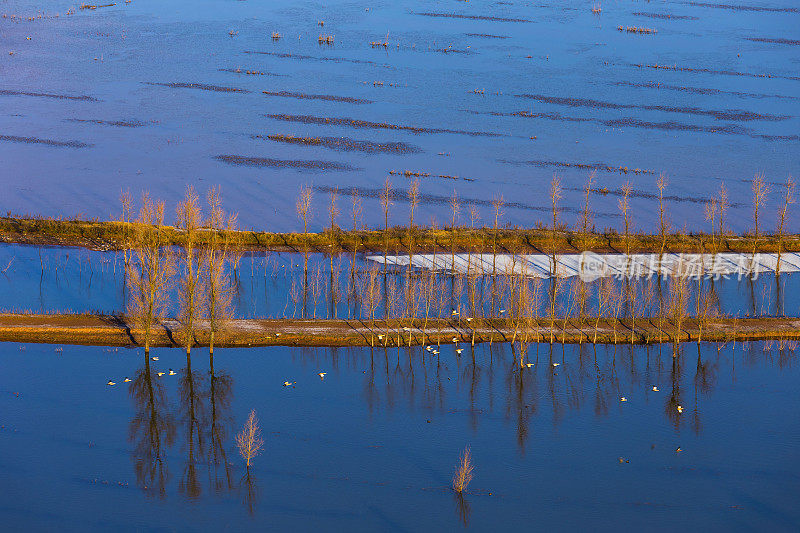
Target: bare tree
249,440
190,287
386,203
127,217
151,269
760,192
304,212
219,291
455,207
497,203
625,207
463,473
663,222
788,200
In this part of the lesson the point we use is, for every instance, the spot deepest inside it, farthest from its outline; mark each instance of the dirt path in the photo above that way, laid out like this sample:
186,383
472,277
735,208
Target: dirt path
104,330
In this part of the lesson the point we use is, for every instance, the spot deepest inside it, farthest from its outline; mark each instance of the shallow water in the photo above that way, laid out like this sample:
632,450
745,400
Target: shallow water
271,285
153,96
373,445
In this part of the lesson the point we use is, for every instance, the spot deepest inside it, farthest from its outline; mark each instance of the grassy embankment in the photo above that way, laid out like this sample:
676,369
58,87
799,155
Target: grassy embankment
113,235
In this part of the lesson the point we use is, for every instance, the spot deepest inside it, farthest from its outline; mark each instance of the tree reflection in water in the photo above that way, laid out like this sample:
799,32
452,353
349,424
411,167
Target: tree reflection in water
152,430
192,414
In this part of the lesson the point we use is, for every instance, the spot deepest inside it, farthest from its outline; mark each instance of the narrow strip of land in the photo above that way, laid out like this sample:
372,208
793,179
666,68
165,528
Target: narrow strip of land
115,235
110,330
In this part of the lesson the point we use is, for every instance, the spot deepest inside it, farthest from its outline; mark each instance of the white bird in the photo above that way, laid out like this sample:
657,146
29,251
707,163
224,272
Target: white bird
680,409
171,372
277,334
160,374
556,364
154,358
455,339
406,329
502,311
469,319
435,352
455,313
655,389
623,399
111,382
127,380
322,375
288,383
380,337
459,350
529,364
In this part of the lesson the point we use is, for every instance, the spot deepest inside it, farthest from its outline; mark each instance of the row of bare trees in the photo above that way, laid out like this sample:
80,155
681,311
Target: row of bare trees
202,273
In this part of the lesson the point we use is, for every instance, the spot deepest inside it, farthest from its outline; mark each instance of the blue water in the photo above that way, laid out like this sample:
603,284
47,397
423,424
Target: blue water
374,444
732,114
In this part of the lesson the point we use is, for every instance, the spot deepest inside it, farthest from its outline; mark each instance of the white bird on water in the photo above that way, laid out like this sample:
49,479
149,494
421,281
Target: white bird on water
160,374
428,348
111,382
154,358
556,364
454,339
655,389
454,313
322,375
680,409
288,383
623,399
127,380
171,372
459,350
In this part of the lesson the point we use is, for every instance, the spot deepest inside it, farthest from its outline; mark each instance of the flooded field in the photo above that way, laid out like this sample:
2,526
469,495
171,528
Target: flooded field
705,440
261,98
412,171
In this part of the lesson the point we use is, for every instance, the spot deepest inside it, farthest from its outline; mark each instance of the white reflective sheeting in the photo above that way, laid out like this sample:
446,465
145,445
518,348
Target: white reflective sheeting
590,266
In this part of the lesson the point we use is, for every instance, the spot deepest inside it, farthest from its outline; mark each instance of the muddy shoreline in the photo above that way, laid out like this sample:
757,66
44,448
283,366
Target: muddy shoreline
115,330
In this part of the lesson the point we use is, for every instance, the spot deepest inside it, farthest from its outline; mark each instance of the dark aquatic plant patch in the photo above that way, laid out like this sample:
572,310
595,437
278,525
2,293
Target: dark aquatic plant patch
663,16
701,90
115,123
403,195
326,97
630,122
471,17
345,144
83,98
739,115
355,123
201,86
251,72
741,7
676,68
637,29
487,36
313,58
415,174
584,166
269,162
48,142
776,40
